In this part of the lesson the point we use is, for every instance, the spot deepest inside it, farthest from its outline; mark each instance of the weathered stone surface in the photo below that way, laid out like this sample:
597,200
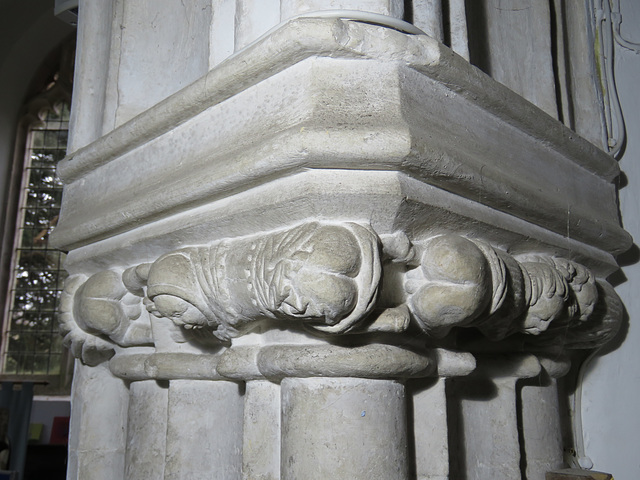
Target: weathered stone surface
204,430
146,430
263,254
322,417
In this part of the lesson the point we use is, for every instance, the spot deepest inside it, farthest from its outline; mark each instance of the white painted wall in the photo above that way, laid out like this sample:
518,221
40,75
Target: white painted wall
611,390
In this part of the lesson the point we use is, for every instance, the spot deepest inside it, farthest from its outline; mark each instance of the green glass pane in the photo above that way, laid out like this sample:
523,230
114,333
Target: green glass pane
51,138
56,343
20,343
32,277
37,138
33,322
18,320
55,261
63,136
43,176
46,197
54,364
42,341
46,157
32,300
32,259
29,217
65,113
53,115
10,365
22,302
41,364
24,363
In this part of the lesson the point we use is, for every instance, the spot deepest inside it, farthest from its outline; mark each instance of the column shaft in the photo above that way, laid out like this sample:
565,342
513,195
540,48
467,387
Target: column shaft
253,18
99,407
343,428
261,436
393,8
430,431
427,16
488,443
541,433
147,430
204,430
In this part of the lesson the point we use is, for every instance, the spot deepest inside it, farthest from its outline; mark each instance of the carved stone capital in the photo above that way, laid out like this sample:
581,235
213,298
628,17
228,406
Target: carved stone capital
467,283
326,278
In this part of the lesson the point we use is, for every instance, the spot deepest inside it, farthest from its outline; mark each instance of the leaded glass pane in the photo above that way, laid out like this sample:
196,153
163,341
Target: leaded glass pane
31,341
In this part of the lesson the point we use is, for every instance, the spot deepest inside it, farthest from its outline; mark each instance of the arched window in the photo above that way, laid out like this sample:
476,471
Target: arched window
31,345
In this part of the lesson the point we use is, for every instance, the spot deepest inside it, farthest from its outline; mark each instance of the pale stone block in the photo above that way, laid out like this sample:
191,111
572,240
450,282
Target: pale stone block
388,118
392,8
343,428
261,443
427,16
146,432
204,430
253,18
97,434
487,434
177,33
524,67
430,431
541,433
222,33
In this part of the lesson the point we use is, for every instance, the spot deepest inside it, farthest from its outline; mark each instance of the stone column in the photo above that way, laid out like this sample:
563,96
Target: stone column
261,431
97,434
488,429
204,430
392,8
343,428
146,430
541,433
430,426
286,266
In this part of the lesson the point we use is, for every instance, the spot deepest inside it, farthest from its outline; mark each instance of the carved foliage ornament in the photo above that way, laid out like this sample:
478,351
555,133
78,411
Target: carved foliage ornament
326,277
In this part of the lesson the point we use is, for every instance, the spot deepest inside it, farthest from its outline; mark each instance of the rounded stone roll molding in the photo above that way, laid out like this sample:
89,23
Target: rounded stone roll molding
275,362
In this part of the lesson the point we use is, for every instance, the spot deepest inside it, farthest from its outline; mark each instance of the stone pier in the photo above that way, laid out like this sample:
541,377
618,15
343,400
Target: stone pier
311,243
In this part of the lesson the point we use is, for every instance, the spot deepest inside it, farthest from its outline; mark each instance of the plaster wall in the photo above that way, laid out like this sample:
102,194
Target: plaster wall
612,383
